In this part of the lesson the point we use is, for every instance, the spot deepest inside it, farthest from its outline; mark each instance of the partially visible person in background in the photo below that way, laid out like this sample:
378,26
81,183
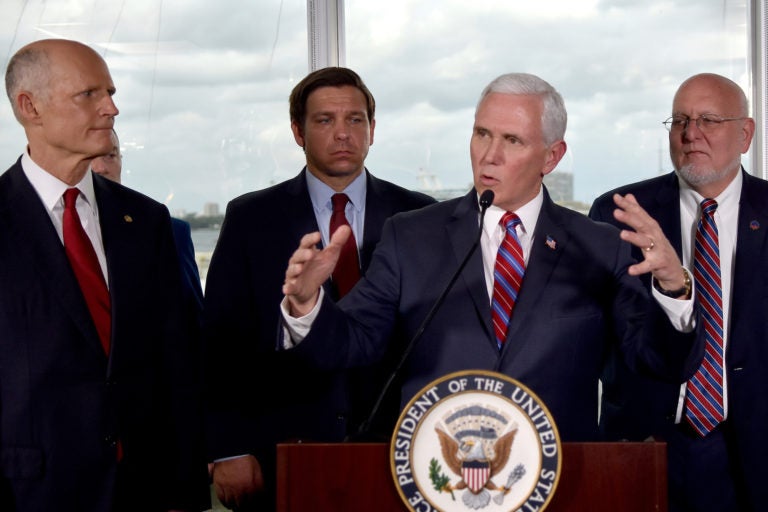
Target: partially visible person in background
111,166
332,116
100,398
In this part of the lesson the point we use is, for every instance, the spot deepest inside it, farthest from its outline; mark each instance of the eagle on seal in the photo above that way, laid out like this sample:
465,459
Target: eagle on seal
476,459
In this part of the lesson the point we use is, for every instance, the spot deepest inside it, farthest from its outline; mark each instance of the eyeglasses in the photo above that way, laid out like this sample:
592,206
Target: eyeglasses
706,122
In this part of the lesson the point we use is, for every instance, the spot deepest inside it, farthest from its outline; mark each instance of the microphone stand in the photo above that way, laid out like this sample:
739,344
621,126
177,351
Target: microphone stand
486,199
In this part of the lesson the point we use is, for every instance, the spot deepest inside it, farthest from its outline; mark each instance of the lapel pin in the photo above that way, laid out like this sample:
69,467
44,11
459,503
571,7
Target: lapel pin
127,218
551,243
754,225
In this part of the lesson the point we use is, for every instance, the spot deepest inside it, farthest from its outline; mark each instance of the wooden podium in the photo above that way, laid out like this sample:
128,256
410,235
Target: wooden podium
595,477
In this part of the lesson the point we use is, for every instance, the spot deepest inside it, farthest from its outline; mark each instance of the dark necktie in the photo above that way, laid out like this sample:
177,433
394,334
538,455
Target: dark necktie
507,277
704,398
85,264
347,271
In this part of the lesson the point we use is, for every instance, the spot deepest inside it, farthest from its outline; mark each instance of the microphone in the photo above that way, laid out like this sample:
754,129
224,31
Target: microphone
486,200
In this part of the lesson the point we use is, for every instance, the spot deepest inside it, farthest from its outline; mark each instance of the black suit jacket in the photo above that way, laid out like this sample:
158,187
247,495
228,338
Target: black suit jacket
252,409
63,402
635,408
576,304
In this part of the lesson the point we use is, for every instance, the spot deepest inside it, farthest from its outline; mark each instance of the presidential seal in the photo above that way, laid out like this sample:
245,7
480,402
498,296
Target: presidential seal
475,440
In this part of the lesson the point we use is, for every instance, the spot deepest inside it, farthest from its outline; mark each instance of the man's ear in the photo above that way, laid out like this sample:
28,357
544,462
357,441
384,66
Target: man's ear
298,133
26,106
555,153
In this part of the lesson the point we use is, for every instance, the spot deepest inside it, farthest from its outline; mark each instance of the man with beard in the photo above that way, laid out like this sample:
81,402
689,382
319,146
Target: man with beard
714,423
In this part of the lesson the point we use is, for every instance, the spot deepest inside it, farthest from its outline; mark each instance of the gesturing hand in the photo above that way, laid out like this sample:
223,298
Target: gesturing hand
309,267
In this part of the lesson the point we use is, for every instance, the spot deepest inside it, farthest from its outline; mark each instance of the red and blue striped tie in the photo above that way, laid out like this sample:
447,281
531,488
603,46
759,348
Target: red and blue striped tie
507,277
704,400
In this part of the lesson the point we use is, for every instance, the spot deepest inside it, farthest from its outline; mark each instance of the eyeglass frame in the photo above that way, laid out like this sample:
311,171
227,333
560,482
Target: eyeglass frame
715,119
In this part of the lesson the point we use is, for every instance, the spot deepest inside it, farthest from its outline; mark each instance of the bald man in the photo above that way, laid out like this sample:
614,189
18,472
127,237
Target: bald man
99,403
716,451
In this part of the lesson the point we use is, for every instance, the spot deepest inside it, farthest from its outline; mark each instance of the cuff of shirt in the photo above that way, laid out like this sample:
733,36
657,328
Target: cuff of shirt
296,329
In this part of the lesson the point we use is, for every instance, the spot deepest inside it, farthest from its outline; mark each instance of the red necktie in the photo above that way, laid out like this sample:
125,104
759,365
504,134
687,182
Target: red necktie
347,271
704,398
507,277
85,265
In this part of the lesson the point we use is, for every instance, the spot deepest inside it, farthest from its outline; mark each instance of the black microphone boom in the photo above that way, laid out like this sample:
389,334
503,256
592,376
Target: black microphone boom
486,200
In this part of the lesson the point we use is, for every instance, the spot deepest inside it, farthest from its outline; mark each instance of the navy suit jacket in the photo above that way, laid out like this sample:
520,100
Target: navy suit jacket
576,303
190,274
63,402
640,407
252,409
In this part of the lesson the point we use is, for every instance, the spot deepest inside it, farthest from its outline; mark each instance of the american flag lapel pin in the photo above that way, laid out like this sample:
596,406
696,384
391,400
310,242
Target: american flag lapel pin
754,225
550,242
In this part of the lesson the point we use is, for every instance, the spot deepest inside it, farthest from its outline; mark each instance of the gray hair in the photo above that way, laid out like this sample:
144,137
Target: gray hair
554,118
28,70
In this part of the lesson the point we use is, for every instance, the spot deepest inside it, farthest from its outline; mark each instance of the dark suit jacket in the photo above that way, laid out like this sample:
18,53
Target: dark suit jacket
575,304
251,409
190,274
640,407
63,403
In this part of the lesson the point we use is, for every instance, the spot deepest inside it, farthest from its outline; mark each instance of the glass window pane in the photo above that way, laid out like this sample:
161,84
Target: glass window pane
617,64
202,89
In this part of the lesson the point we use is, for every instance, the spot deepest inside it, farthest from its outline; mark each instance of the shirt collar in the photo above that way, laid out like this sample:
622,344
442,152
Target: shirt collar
728,198
50,189
528,213
321,194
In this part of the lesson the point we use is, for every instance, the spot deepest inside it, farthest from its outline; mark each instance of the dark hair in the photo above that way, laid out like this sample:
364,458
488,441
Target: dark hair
326,77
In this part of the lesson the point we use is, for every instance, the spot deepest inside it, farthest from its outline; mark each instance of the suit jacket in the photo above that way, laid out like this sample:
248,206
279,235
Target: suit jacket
252,410
64,404
190,274
640,407
575,304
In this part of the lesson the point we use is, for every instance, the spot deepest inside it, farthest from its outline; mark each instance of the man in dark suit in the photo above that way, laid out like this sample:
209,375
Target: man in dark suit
577,299
724,469
99,406
332,119
111,166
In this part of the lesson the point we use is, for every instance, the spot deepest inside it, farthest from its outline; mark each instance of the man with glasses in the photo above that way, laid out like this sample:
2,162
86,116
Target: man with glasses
716,216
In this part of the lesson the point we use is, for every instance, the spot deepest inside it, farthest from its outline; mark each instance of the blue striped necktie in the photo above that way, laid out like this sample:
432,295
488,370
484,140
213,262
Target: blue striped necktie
507,277
704,398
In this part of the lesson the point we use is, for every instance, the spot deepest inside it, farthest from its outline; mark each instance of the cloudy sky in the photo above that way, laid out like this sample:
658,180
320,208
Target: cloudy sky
203,86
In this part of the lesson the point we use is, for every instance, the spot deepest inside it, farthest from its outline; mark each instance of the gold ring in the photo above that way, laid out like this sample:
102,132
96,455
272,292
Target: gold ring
647,249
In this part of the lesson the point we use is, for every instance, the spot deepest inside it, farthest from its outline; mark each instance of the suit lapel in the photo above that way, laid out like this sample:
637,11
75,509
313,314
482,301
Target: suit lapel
299,209
666,210
29,227
377,209
462,231
751,252
549,241
300,206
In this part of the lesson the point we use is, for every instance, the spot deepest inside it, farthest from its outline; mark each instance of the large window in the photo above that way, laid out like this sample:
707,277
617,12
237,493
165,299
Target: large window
617,63
203,86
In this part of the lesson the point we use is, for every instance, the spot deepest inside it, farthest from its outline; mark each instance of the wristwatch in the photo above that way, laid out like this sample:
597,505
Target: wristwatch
685,291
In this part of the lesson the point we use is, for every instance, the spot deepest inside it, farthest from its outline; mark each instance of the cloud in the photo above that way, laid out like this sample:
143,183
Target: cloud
203,86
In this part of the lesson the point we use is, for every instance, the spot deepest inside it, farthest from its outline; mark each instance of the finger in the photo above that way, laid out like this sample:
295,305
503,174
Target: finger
645,242
340,236
309,240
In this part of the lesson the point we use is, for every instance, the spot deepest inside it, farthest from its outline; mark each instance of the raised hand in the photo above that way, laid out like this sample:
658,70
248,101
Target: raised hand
309,267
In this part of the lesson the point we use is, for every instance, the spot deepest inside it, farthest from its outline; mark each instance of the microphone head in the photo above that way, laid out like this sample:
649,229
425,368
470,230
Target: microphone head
486,198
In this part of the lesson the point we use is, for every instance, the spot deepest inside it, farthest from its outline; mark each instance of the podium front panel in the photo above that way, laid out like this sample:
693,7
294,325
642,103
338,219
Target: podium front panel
595,477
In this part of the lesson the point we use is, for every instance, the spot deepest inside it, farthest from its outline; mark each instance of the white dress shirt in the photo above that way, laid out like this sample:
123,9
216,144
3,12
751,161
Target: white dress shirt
51,191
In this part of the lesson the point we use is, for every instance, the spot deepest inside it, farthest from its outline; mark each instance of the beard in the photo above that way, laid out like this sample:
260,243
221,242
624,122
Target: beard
697,175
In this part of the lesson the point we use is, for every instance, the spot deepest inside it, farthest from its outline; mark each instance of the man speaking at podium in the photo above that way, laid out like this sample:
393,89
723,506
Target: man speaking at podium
561,296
